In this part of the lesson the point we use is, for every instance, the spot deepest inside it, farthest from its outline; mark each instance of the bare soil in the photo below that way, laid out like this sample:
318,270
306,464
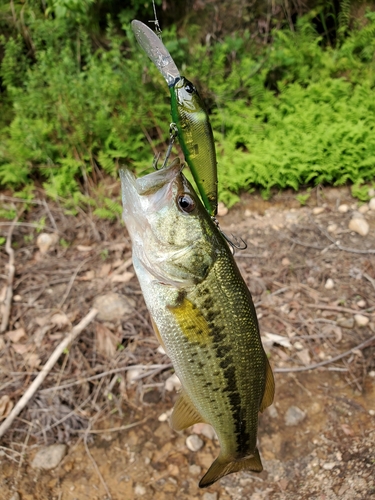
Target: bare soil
109,415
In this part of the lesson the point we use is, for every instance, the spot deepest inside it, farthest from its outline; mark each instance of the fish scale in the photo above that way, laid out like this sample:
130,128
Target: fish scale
203,315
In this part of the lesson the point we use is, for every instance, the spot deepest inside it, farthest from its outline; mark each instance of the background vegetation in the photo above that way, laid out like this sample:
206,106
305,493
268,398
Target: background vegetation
289,87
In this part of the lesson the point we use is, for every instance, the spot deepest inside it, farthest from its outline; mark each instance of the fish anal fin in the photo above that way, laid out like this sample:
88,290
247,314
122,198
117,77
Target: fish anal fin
221,468
184,414
269,390
157,333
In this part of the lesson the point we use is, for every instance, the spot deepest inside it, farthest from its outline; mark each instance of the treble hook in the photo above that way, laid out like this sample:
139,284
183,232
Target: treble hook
236,244
156,21
172,136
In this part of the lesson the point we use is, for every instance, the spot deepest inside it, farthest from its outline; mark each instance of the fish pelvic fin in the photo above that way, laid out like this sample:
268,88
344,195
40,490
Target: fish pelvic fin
269,390
184,414
221,467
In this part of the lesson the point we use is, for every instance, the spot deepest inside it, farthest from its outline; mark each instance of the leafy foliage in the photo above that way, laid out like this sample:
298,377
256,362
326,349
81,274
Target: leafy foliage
293,113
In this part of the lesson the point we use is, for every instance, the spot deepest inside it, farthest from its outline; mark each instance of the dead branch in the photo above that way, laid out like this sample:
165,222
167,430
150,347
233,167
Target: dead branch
46,369
338,309
11,271
364,344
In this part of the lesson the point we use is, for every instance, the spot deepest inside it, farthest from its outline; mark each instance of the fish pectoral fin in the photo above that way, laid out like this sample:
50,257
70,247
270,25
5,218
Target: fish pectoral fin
185,414
157,333
221,468
269,390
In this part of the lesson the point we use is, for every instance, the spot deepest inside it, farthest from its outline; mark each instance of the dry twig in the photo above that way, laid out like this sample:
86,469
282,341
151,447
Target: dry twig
363,345
46,369
11,271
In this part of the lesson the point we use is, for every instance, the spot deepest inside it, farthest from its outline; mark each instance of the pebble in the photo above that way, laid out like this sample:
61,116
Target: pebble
361,320
48,458
359,226
195,470
222,209
133,374
285,261
372,204
205,429
346,322
372,373
45,241
210,496
329,284
140,490
15,496
329,465
164,416
318,210
294,416
172,383
112,306
194,442
361,303
363,209
343,209
332,228
297,345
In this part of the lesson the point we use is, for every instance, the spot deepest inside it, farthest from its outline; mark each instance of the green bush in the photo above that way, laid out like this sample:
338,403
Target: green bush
285,115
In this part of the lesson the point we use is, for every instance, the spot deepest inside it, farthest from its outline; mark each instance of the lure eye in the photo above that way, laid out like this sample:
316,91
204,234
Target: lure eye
189,88
186,203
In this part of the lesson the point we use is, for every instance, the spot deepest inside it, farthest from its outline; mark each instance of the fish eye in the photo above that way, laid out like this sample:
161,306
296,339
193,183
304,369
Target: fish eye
189,87
186,203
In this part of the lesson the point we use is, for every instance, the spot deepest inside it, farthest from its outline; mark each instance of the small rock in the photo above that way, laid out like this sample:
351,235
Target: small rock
222,209
361,303
371,192
372,373
204,429
329,284
318,210
272,411
164,416
297,345
329,465
332,228
372,204
48,458
161,350
363,209
343,209
346,322
173,470
361,320
315,465
210,496
195,470
172,383
45,241
113,306
194,442
359,226
372,412
140,490
15,496
294,416
248,213
133,374
285,261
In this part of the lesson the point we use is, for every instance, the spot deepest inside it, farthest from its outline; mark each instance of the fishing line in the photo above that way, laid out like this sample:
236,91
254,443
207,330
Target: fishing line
156,21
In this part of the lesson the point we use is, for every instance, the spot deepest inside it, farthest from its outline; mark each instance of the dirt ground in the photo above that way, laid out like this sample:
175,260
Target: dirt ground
108,396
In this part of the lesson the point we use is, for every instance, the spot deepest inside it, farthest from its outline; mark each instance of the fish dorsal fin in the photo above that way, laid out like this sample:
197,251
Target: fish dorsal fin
221,467
185,414
157,333
269,390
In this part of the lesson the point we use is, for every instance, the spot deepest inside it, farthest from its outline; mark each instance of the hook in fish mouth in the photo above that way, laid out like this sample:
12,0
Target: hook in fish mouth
235,243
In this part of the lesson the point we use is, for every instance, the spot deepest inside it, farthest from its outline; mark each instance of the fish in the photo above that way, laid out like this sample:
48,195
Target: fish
190,116
202,314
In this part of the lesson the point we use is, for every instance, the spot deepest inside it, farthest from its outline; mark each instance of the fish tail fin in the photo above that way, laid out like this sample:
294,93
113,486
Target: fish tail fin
221,467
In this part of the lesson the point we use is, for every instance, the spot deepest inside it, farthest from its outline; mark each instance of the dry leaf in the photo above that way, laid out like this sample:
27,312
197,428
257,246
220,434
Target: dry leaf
6,406
84,248
273,338
3,293
347,430
89,276
41,320
304,356
2,343
32,359
106,341
105,270
332,329
60,319
16,335
122,278
21,348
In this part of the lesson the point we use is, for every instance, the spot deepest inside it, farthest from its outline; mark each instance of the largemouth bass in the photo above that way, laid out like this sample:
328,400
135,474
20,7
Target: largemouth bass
202,313
189,114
